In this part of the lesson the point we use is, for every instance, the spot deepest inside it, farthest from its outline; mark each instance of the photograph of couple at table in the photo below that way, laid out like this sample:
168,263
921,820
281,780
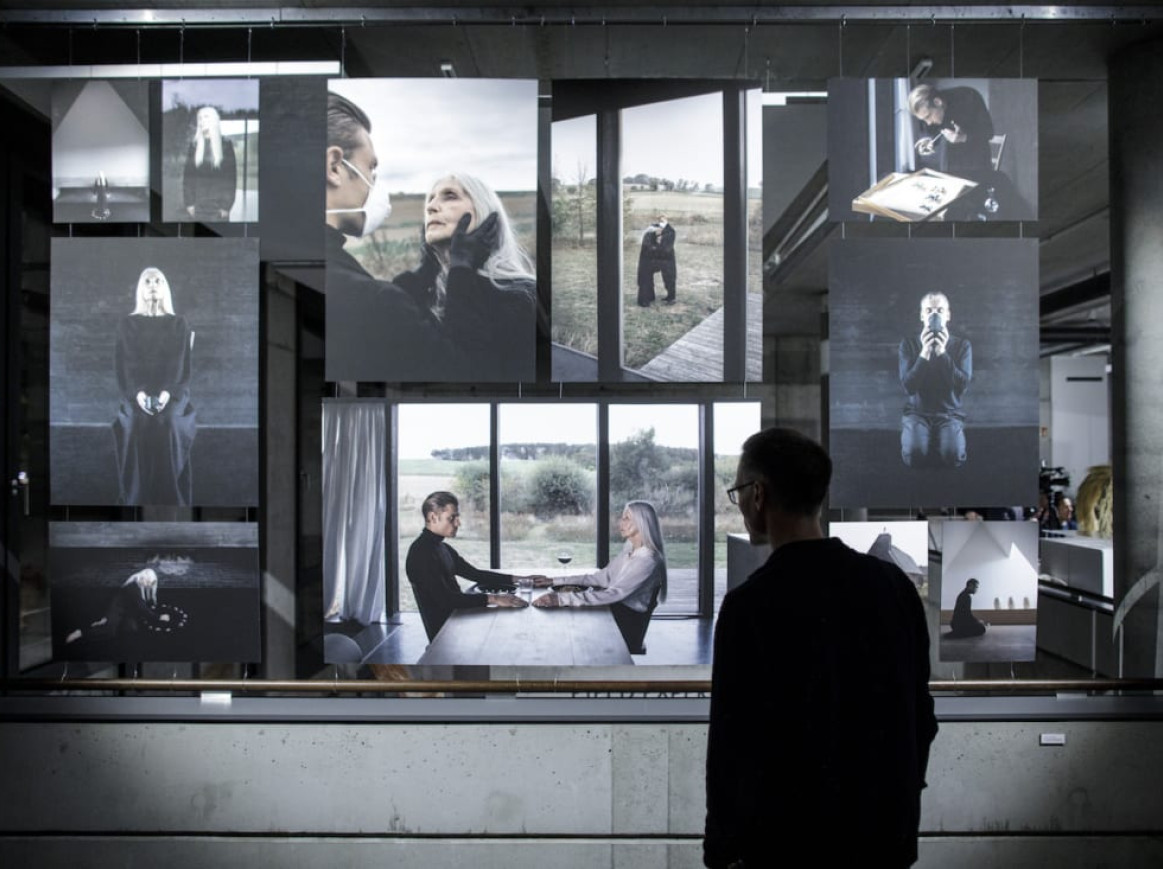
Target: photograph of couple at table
466,627
532,501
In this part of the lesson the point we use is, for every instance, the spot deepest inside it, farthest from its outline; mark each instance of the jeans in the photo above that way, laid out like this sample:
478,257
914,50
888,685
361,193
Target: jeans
932,441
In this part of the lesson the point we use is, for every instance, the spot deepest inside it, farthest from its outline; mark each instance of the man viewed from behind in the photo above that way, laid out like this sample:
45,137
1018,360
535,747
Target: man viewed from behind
821,717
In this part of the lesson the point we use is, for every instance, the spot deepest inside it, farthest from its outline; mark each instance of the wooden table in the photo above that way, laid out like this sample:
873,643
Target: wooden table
566,636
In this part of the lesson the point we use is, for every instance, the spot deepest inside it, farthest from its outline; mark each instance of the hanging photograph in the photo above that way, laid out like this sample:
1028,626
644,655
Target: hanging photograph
988,591
933,364
153,372
902,544
154,591
512,562
210,150
100,151
431,193
690,296
939,149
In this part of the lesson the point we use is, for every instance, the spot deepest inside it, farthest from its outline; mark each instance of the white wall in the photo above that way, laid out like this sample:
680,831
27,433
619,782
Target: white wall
100,134
1079,414
1001,556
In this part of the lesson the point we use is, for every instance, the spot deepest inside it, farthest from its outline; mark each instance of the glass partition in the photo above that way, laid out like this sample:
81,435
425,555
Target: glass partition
442,447
548,465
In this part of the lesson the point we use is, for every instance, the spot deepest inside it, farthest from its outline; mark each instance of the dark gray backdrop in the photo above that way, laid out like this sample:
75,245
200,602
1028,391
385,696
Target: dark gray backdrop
215,287
217,589
875,291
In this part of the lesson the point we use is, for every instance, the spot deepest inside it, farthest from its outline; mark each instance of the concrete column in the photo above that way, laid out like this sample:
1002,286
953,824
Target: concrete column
1136,85
280,479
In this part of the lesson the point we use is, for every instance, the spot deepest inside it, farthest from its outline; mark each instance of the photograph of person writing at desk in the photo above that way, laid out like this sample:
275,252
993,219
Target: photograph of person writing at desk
631,584
433,567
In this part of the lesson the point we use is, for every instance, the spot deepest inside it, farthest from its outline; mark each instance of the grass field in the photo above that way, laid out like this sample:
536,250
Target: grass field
698,221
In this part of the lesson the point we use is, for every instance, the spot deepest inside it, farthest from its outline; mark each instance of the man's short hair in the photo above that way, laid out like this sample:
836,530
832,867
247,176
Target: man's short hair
436,502
921,97
794,468
345,121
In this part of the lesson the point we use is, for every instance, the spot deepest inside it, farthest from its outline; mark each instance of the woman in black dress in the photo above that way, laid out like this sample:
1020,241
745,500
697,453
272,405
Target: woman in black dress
156,423
210,182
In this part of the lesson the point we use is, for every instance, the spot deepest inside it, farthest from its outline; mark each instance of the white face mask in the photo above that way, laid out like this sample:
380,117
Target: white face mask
376,208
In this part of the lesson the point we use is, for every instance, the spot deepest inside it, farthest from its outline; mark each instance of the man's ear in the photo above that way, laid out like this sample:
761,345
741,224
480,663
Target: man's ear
759,493
334,165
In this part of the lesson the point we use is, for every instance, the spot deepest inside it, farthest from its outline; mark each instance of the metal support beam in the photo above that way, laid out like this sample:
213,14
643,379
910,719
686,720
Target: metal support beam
734,234
609,246
706,510
180,14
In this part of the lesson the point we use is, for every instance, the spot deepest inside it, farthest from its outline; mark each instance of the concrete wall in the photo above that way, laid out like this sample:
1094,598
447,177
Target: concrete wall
517,795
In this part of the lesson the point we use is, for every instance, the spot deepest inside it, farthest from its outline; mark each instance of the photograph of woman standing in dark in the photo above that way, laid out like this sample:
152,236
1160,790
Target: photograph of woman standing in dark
210,181
156,422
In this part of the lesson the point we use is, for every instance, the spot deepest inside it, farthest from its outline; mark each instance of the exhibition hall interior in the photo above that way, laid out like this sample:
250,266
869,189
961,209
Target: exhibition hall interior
413,486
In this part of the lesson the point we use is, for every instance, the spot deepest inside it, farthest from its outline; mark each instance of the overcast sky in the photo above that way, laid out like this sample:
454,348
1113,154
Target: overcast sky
425,128
228,94
427,427
675,139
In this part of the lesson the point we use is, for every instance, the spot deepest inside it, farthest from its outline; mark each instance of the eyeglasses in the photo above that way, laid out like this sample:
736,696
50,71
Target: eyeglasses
733,492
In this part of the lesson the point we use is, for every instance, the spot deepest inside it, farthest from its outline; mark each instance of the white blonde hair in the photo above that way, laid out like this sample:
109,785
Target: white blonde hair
646,521
214,121
510,261
167,299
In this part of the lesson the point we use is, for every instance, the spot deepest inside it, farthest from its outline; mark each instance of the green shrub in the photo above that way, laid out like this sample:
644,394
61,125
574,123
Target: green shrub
558,486
472,484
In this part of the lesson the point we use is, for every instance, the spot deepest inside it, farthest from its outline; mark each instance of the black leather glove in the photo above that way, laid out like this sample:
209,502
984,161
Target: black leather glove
472,249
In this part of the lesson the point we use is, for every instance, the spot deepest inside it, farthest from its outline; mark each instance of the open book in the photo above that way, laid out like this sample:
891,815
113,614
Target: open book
912,197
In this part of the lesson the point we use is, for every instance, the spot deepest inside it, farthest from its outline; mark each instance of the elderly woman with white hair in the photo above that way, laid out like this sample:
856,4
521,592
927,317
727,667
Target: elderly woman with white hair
469,248
156,423
632,584
210,181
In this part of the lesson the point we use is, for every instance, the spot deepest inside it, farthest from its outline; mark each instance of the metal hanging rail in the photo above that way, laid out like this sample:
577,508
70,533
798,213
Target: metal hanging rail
523,686
180,15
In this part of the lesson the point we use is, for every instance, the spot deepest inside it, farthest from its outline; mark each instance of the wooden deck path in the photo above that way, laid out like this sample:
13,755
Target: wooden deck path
698,355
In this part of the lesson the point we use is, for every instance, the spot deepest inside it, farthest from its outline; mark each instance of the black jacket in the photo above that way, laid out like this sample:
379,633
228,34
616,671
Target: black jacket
821,717
970,159
211,191
432,568
935,386
376,331
497,340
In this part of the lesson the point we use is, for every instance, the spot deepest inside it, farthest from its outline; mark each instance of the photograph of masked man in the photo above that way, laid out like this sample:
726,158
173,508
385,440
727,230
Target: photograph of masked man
376,330
935,370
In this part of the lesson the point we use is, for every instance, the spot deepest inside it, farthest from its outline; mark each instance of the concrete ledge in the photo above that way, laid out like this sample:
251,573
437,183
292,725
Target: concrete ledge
240,852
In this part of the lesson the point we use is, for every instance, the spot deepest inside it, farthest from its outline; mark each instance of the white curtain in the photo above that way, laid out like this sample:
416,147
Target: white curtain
355,504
